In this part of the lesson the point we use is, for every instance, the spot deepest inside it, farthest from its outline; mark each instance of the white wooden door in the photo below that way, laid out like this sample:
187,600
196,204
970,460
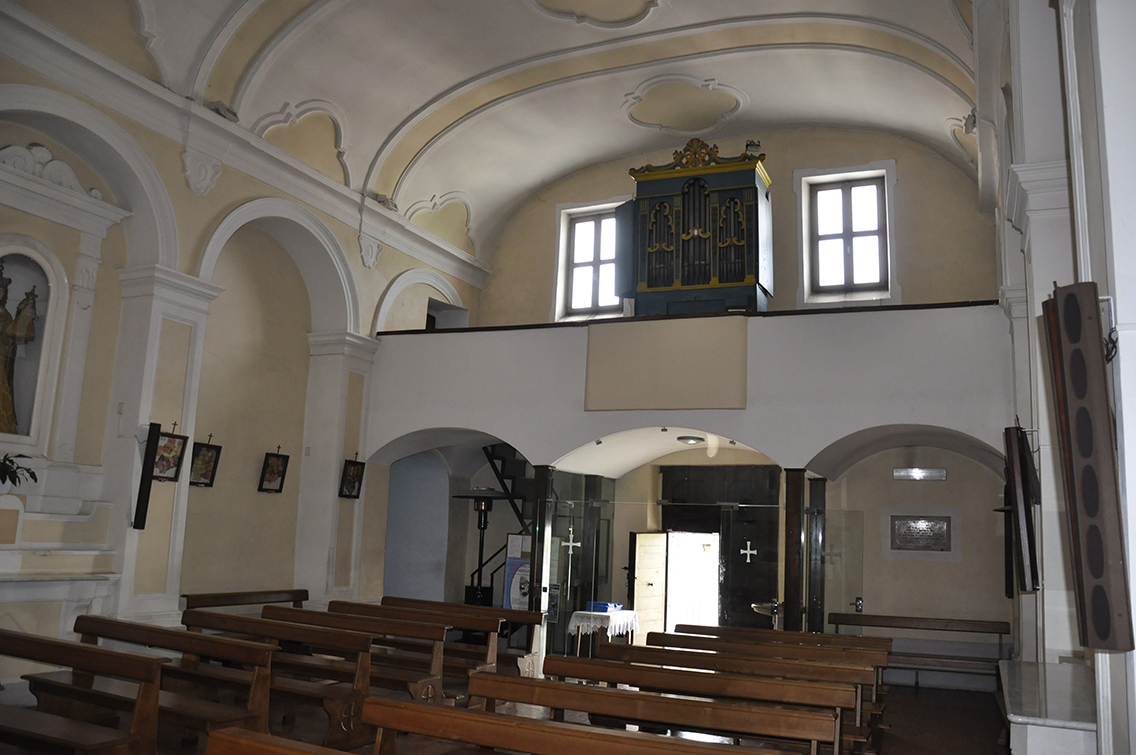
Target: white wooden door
648,589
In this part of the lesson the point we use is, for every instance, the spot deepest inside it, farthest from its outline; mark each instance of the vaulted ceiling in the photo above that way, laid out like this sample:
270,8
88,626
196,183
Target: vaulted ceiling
481,102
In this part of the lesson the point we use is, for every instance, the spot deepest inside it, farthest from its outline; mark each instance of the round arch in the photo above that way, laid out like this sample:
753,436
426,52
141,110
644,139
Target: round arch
430,439
404,281
322,263
838,457
151,227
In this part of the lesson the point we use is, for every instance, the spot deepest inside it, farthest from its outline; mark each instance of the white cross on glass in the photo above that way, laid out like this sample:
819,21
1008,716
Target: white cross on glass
748,551
571,546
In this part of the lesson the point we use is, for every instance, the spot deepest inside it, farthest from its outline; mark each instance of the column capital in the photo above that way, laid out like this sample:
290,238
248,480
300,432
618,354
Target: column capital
342,343
168,285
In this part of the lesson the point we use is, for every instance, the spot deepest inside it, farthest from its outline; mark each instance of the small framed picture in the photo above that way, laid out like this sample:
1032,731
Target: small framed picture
272,473
168,458
352,480
203,464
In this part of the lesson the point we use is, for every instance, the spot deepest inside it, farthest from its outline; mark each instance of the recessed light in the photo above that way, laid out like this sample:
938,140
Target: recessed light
690,440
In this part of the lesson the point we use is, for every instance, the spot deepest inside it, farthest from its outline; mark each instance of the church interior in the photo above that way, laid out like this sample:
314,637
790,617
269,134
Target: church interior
719,313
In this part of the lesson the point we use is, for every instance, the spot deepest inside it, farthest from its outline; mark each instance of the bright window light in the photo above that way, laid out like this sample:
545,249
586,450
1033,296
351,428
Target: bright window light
585,247
830,211
582,287
607,241
607,297
866,259
831,259
865,213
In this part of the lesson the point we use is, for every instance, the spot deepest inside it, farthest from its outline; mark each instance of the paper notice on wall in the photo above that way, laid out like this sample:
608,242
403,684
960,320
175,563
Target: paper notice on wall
519,546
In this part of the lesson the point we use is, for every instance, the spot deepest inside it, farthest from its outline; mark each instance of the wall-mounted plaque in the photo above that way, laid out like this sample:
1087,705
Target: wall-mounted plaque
921,533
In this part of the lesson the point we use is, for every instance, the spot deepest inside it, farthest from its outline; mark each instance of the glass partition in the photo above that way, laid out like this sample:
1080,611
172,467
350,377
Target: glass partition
843,564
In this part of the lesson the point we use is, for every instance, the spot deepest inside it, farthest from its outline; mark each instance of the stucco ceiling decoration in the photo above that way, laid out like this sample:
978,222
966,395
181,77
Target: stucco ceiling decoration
968,143
405,146
448,217
599,12
682,105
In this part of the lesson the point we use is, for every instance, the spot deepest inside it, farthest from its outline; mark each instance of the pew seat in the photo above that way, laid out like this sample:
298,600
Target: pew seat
245,742
49,731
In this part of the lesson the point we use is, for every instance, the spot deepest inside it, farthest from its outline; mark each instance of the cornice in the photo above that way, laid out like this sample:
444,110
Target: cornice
44,199
40,47
168,285
1036,187
346,344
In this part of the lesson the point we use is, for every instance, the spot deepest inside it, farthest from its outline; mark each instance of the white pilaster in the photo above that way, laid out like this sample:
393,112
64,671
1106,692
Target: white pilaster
333,356
150,294
75,355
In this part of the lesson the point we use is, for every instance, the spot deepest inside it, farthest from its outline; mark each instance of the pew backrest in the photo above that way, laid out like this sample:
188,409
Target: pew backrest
523,734
93,628
684,713
779,635
246,598
456,620
858,656
741,686
376,627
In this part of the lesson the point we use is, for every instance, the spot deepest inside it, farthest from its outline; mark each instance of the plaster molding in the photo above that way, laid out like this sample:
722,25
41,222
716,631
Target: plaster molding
1075,142
47,51
1014,301
1035,188
583,18
201,171
278,46
346,344
111,151
404,281
963,26
37,160
860,21
218,44
436,202
331,286
710,85
168,285
74,209
289,114
152,33
369,250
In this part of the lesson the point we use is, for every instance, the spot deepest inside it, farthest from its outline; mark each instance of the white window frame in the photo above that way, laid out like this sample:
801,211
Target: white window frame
803,181
565,213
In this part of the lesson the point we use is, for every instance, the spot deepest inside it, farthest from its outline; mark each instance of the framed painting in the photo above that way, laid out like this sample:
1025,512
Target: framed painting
168,457
203,464
272,473
351,481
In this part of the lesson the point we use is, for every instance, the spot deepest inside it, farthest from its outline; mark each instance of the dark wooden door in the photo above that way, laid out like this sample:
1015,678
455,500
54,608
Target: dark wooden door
749,538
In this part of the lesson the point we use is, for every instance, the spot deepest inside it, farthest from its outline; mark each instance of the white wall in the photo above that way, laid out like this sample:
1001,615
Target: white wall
812,379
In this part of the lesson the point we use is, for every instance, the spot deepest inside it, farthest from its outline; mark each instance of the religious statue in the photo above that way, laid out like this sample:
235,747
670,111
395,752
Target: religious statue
14,332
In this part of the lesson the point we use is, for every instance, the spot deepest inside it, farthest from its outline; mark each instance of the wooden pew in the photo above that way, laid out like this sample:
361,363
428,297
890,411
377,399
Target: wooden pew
855,656
343,702
485,656
54,687
420,674
744,634
484,729
44,731
832,696
247,598
931,661
523,659
245,742
722,717
861,677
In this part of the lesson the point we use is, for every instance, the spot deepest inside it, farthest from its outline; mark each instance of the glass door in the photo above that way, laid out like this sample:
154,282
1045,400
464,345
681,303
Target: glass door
843,564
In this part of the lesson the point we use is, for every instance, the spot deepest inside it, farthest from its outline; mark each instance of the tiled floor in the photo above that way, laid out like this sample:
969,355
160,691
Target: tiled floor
922,722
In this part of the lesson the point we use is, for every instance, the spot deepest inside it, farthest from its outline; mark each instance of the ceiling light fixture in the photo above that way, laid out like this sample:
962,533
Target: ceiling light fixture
918,473
690,440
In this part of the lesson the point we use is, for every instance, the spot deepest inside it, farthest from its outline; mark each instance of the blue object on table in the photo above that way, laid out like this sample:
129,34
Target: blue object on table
599,607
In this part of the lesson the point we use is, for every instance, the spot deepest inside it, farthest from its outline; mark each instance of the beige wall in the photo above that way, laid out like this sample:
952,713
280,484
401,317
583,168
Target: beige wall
944,245
372,553
253,389
971,588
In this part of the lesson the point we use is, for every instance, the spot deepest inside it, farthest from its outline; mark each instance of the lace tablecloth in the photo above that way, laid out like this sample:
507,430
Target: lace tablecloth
613,622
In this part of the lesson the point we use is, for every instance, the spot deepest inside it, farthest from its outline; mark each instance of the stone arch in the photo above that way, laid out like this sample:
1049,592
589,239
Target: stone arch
841,455
404,281
151,228
322,262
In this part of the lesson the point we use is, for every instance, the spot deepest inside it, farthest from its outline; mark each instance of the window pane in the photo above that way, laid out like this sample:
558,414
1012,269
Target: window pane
585,245
831,260
582,287
866,259
830,212
607,240
607,285
865,215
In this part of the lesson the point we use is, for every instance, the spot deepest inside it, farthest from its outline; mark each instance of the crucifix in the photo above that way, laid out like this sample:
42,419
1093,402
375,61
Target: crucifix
748,551
571,546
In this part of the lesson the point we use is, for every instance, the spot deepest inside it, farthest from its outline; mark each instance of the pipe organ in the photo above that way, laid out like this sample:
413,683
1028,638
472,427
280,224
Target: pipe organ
698,236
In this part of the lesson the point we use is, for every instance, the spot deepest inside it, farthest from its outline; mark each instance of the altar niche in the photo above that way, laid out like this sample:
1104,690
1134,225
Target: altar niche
698,235
24,295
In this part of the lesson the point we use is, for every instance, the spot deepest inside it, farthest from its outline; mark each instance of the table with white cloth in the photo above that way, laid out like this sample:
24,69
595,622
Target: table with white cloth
614,623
